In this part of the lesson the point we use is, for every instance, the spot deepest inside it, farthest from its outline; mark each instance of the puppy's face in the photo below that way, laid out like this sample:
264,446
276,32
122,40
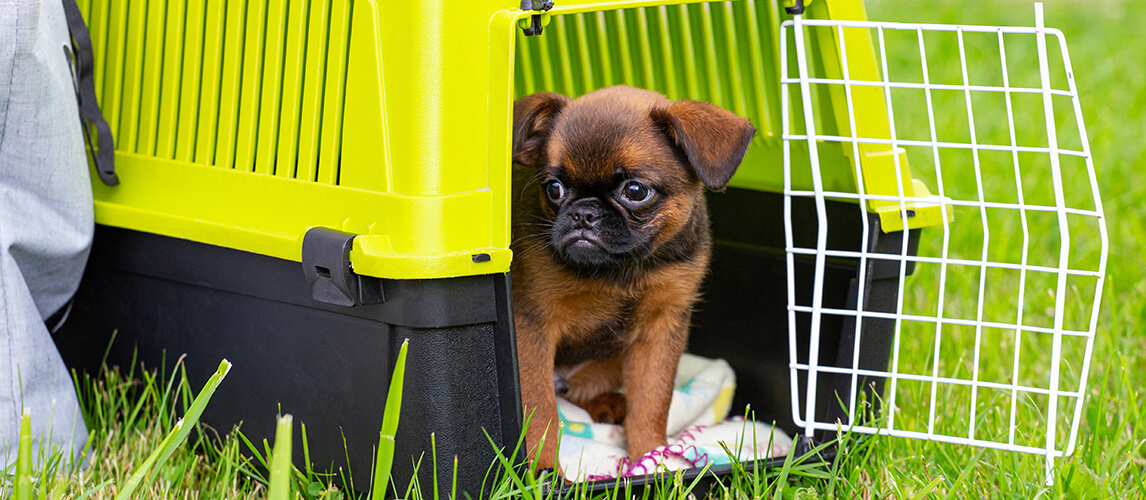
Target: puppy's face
621,170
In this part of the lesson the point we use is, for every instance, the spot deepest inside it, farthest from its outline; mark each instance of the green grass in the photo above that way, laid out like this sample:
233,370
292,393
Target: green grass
130,414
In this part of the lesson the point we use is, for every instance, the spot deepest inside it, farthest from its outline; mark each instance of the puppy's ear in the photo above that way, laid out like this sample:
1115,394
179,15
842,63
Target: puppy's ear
713,139
533,118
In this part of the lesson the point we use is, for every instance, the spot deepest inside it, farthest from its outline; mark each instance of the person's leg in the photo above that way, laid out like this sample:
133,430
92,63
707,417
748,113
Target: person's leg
46,222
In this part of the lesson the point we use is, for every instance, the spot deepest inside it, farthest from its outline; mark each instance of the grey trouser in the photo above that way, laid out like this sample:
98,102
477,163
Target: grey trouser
46,223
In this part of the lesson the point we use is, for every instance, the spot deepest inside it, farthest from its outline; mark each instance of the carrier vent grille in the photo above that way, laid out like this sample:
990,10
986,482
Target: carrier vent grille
254,86
721,52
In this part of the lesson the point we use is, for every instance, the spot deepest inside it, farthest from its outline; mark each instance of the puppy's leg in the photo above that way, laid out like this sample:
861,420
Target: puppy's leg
650,367
597,377
535,352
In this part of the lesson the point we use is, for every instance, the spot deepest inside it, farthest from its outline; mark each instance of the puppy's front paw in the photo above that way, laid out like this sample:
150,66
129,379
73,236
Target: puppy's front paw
608,408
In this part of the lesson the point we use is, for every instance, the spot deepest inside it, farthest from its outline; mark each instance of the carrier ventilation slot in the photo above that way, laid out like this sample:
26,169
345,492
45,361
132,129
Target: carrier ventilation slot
254,86
720,52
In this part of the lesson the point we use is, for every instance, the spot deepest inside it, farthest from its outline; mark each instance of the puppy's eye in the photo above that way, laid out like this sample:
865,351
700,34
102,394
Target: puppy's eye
636,192
555,190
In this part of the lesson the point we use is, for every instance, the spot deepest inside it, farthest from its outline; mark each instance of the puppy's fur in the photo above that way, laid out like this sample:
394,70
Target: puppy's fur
608,261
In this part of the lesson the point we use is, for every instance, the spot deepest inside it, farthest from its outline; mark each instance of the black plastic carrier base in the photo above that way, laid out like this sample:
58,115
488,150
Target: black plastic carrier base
329,366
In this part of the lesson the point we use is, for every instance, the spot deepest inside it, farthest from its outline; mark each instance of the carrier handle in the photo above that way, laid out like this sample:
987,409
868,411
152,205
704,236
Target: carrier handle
81,59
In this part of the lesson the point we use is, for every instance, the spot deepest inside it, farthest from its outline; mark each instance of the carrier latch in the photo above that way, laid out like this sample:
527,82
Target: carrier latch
794,7
536,23
326,265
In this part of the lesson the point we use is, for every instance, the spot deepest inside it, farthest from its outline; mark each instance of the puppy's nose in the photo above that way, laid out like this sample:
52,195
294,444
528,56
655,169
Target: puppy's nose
585,217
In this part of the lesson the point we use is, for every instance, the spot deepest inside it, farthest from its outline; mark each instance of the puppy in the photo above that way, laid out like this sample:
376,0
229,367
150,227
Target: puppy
611,241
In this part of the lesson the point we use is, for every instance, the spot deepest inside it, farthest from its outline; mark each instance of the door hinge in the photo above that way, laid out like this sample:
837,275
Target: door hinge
534,24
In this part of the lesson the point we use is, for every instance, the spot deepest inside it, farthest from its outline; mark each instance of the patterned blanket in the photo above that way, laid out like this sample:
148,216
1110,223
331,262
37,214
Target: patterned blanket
698,426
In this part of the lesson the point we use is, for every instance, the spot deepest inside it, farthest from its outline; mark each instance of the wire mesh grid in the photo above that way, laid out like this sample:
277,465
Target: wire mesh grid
994,329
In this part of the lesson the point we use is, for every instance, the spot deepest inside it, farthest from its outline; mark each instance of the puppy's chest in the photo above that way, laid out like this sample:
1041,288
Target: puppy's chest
605,342
590,325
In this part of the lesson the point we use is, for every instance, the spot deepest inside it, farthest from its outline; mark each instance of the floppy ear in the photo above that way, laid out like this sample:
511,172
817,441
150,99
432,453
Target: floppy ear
533,118
713,139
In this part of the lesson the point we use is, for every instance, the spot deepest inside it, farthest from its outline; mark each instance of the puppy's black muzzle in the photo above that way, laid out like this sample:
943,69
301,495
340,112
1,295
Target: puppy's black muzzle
585,215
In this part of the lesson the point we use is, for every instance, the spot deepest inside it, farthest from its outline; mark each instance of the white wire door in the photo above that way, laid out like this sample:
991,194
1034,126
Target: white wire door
995,315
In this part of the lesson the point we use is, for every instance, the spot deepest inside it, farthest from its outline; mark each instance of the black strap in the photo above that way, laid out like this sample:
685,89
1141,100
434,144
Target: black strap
90,114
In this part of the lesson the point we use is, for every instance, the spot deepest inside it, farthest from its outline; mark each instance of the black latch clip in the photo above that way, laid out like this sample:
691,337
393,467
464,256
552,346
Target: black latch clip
537,21
326,265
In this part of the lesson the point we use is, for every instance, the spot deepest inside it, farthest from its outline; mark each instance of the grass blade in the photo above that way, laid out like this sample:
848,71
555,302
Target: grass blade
434,461
129,487
385,459
454,488
95,489
24,459
280,461
194,412
782,481
177,435
695,481
508,467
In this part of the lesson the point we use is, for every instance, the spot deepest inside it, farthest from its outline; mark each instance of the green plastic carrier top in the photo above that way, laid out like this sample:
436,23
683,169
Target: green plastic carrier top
245,123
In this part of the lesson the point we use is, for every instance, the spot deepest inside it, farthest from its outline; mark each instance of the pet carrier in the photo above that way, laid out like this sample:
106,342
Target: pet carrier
370,143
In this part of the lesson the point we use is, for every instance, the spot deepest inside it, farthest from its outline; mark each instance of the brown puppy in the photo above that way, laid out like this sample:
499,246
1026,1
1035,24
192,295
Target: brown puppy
611,241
